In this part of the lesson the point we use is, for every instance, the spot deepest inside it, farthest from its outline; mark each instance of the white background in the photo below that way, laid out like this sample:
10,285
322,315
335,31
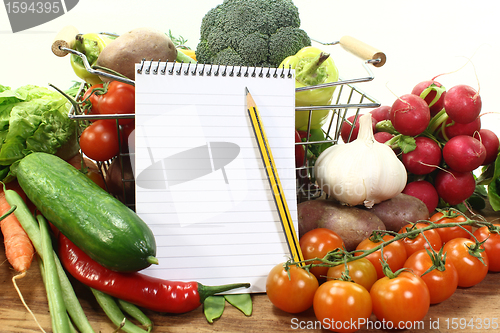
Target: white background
421,40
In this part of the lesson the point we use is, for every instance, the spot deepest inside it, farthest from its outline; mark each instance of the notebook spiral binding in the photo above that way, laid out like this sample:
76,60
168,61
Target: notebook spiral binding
197,69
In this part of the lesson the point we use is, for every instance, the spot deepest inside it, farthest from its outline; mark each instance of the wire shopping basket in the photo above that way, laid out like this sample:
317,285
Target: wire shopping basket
346,97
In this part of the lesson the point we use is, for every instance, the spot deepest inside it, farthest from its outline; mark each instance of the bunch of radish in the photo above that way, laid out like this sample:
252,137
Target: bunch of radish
437,135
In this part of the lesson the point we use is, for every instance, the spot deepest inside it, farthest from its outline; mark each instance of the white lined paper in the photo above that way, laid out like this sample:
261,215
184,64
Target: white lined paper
208,230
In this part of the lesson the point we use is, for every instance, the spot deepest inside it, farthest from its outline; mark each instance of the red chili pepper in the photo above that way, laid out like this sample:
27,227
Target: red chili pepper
142,290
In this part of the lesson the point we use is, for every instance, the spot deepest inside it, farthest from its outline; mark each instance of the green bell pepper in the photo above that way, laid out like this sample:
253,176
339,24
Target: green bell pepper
91,45
312,66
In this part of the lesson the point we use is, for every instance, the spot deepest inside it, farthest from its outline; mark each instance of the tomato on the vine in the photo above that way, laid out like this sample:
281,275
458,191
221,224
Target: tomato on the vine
291,291
316,243
394,253
360,270
99,141
442,280
419,242
449,233
342,306
119,99
491,246
400,300
91,99
471,262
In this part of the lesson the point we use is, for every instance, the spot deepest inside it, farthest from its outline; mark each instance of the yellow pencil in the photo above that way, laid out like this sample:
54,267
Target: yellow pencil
274,181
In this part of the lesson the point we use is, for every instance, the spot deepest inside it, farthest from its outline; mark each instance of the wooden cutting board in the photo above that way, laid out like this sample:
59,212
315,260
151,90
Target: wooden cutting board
466,309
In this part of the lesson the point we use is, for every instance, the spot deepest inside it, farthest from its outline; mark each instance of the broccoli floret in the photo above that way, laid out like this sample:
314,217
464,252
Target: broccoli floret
286,41
251,33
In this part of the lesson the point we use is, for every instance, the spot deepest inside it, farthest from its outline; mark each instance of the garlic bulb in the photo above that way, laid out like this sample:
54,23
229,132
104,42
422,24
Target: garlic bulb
362,171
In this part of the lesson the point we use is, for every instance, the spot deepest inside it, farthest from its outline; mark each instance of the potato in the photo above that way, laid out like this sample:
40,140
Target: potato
124,52
352,224
400,210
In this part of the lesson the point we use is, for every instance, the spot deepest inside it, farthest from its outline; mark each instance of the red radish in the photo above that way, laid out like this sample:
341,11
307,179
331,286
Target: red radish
453,186
381,113
491,142
410,115
464,153
382,137
425,158
424,191
345,130
431,88
462,103
453,128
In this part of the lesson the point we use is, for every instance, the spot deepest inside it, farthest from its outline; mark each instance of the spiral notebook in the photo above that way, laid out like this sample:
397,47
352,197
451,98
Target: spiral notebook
201,181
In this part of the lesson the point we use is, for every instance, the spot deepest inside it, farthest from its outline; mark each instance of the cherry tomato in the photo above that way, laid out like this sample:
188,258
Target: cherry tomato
491,246
400,300
316,243
91,100
118,99
442,281
361,271
394,254
470,269
342,306
449,233
412,245
99,141
292,294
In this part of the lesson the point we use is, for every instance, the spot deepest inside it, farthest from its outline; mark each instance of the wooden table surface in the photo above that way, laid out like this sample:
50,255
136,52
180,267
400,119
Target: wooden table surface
477,305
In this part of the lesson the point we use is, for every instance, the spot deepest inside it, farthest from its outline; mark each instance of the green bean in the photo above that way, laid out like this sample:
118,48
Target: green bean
31,227
42,270
60,322
114,313
136,313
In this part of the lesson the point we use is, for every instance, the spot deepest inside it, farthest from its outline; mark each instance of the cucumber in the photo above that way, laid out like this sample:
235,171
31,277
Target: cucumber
102,226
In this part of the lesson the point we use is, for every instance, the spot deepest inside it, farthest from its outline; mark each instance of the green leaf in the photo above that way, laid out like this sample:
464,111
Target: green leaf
242,302
407,143
494,187
213,307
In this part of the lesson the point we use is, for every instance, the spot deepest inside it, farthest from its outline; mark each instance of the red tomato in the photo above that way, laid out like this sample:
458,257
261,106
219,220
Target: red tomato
414,244
491,246
449,233
442,281
394,254
342,306
91,100
119,99
361,271
470,269
316,243
99,141
292,294
400,300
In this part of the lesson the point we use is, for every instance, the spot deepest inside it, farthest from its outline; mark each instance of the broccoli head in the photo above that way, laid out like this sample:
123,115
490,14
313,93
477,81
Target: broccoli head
251,33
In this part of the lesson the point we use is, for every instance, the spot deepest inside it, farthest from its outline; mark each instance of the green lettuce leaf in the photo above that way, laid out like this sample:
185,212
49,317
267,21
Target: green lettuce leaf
32,119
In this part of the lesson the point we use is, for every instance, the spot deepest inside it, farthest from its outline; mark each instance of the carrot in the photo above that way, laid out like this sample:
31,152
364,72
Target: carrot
18,247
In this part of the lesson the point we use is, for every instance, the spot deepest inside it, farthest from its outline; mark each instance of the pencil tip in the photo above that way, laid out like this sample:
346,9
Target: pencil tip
246,90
